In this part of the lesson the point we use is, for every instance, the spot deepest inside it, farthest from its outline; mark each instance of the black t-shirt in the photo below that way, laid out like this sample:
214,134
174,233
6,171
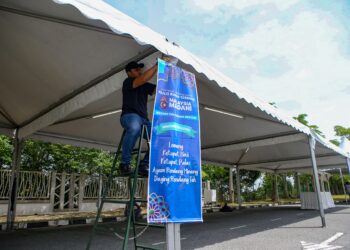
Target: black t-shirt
135,99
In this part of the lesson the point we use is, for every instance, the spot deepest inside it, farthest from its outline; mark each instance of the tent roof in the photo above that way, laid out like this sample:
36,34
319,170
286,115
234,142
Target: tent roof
62,63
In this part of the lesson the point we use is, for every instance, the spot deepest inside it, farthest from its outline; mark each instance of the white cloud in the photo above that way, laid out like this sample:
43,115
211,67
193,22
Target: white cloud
317,72
242,4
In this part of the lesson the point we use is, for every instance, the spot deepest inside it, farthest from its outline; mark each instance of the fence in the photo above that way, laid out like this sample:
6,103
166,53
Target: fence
65,191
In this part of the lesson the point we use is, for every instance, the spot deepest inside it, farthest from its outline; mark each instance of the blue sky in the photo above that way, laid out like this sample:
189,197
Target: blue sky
295,53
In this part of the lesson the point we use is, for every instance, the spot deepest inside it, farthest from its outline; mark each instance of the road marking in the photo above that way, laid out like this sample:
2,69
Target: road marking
163,242
158,243
323,245
276,219
233,228
333,238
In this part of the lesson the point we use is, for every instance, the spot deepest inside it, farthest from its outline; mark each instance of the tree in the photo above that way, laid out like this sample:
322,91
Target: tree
273,104
302,119
38,156
248,179
340,131
219,178
5,151
285,183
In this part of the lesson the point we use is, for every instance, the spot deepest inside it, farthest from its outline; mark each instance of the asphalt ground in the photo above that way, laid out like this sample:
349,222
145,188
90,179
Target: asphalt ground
282,227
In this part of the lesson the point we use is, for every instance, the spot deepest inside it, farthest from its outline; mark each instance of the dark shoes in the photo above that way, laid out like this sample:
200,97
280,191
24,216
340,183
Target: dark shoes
143,169
125,169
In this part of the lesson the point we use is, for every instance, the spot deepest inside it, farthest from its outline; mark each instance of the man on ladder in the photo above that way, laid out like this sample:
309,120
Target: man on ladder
134,120
136,89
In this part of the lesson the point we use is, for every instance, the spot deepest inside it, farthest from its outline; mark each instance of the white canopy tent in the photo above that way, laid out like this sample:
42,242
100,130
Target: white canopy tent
62,66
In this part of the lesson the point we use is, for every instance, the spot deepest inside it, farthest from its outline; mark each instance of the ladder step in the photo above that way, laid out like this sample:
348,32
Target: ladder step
146,247
150,225
140,200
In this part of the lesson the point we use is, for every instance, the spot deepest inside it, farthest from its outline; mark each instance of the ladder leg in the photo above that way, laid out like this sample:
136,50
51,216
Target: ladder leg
115,160
133,226
105,190
133,189
147,138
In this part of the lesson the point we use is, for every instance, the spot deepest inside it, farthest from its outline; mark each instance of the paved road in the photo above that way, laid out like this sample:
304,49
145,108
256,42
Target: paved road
259,228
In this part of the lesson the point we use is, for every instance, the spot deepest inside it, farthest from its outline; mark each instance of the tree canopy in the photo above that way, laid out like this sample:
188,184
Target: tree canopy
302,118
38,155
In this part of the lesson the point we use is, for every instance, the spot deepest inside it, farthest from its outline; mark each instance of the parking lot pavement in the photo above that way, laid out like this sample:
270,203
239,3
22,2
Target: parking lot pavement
283,227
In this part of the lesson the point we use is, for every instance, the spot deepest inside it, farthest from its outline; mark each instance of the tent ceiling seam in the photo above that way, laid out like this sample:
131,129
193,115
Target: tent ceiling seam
244,152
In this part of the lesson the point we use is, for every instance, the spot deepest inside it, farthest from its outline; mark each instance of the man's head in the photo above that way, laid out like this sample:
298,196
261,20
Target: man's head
134,69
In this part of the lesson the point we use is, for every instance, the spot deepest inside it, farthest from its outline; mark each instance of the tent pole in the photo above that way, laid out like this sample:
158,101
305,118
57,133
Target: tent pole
276,187
322,183
298,184
231,185
12,202
312,143
238,187
343,185
348,164
328,185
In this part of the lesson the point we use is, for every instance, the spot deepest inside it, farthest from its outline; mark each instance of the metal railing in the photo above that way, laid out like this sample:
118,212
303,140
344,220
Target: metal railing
5,177
66,190
118,190
32,185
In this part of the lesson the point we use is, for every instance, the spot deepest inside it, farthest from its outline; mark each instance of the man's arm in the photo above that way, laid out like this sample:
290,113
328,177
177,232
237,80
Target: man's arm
145,77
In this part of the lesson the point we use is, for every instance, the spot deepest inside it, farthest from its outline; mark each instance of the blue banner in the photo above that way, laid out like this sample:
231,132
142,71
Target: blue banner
175,188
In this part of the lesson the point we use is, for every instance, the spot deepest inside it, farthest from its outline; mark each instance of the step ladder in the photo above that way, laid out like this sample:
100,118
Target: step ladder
130,203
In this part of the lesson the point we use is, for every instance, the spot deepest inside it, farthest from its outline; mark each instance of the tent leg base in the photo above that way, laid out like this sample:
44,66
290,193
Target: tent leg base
323,222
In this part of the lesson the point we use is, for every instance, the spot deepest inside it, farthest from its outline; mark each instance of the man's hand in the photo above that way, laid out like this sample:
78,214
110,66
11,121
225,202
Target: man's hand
145,77
170,59
166,58
148,74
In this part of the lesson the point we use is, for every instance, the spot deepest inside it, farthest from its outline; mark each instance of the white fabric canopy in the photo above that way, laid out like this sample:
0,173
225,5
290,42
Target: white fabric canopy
63,63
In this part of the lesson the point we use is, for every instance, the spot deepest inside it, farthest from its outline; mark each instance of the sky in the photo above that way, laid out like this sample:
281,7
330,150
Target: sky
295,53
